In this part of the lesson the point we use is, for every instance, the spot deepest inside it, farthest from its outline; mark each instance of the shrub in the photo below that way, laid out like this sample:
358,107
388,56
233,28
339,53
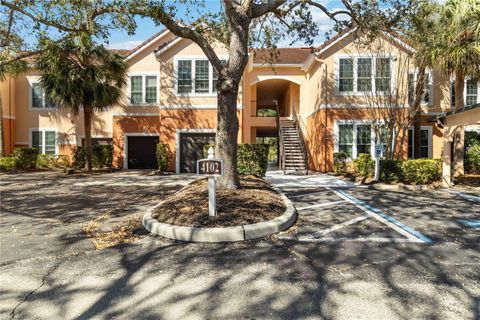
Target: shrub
79,157
391,171
102,156
162,157
364,165
472,138
25,158
251,158
421,171
472,159
7,163
340,162
46,161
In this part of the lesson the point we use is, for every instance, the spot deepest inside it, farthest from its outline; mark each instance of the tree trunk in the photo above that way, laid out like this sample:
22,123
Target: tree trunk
419,92
228,84
459,87
458,148
2,130
227,136
87,120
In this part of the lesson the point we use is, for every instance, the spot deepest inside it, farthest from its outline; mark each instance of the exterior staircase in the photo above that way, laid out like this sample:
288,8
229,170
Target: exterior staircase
293,153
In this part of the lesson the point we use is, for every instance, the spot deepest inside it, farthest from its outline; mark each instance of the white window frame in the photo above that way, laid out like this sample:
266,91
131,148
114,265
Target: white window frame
355,78
192,93
31,81
355,124
464,91
144,86
430,140
30,138
429,74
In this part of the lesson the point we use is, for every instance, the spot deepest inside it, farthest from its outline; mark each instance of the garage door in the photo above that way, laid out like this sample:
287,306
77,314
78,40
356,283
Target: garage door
141,152
191,149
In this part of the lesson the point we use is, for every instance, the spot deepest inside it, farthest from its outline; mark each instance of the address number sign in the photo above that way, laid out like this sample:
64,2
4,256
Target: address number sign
210,167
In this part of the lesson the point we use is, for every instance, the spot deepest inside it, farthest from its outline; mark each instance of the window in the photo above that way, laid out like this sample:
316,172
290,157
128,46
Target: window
425,142
364,74
471,92
202,80
44,141
427,89
196,76
357,137
215,77
382,74
345,139
143,89
184,76
38,98
364,138
345,82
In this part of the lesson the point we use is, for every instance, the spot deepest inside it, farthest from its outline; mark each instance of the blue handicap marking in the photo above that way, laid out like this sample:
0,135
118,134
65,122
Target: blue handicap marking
470,223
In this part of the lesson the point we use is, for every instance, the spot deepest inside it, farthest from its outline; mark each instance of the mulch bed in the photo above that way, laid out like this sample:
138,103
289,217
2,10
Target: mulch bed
253,202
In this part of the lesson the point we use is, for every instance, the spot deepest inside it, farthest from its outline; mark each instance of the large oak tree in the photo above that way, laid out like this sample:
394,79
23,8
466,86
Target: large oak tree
238,24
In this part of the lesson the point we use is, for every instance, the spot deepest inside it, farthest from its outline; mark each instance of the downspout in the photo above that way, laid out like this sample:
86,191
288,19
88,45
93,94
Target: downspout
10,113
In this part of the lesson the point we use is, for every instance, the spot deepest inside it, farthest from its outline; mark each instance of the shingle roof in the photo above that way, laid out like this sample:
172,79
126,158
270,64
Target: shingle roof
282,55
130,52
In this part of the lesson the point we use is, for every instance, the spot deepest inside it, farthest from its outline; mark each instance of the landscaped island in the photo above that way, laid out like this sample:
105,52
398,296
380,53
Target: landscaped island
254,202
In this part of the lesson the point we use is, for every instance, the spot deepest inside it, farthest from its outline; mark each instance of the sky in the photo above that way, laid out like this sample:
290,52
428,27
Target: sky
146,28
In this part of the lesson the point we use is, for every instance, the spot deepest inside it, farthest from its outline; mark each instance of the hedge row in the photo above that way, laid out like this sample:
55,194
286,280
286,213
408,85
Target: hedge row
472,152
251,158
102,156
29,159
414,171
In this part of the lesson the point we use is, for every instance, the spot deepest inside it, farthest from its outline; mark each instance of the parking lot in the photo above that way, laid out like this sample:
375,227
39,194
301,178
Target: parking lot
354,253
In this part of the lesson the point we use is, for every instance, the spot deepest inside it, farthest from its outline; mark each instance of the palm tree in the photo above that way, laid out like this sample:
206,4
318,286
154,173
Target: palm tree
79,74
457,46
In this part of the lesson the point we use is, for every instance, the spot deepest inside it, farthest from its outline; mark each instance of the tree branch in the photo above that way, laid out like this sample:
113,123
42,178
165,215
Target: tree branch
41,20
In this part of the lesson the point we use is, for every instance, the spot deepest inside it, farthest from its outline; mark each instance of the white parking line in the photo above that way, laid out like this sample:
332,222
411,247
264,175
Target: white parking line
406,231
321,205
338,227
331,239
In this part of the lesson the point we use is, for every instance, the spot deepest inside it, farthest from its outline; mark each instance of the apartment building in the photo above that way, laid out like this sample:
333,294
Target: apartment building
324,95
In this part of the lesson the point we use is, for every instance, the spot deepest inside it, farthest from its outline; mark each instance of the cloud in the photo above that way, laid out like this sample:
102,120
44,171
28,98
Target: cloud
127,45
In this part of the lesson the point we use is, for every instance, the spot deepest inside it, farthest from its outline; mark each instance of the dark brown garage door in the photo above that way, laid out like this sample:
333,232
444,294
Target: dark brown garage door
191,149
141,152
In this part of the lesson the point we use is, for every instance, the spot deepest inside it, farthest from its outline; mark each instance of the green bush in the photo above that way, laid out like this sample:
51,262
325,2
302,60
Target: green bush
472,138
79,157
364,165
251,158
162,157
421,171
102,156
472,159
7,163
25,158
391,171
340,162
46,161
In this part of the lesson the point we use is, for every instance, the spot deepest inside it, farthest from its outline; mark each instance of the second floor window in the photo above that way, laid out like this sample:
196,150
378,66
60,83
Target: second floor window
38,98
196,76
364,74
143,89
471,88
427,97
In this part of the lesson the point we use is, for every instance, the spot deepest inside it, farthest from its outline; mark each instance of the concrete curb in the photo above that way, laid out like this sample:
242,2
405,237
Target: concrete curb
397,187
229,234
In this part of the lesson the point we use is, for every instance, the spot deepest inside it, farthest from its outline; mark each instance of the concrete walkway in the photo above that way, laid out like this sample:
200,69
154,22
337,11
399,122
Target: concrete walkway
312,180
